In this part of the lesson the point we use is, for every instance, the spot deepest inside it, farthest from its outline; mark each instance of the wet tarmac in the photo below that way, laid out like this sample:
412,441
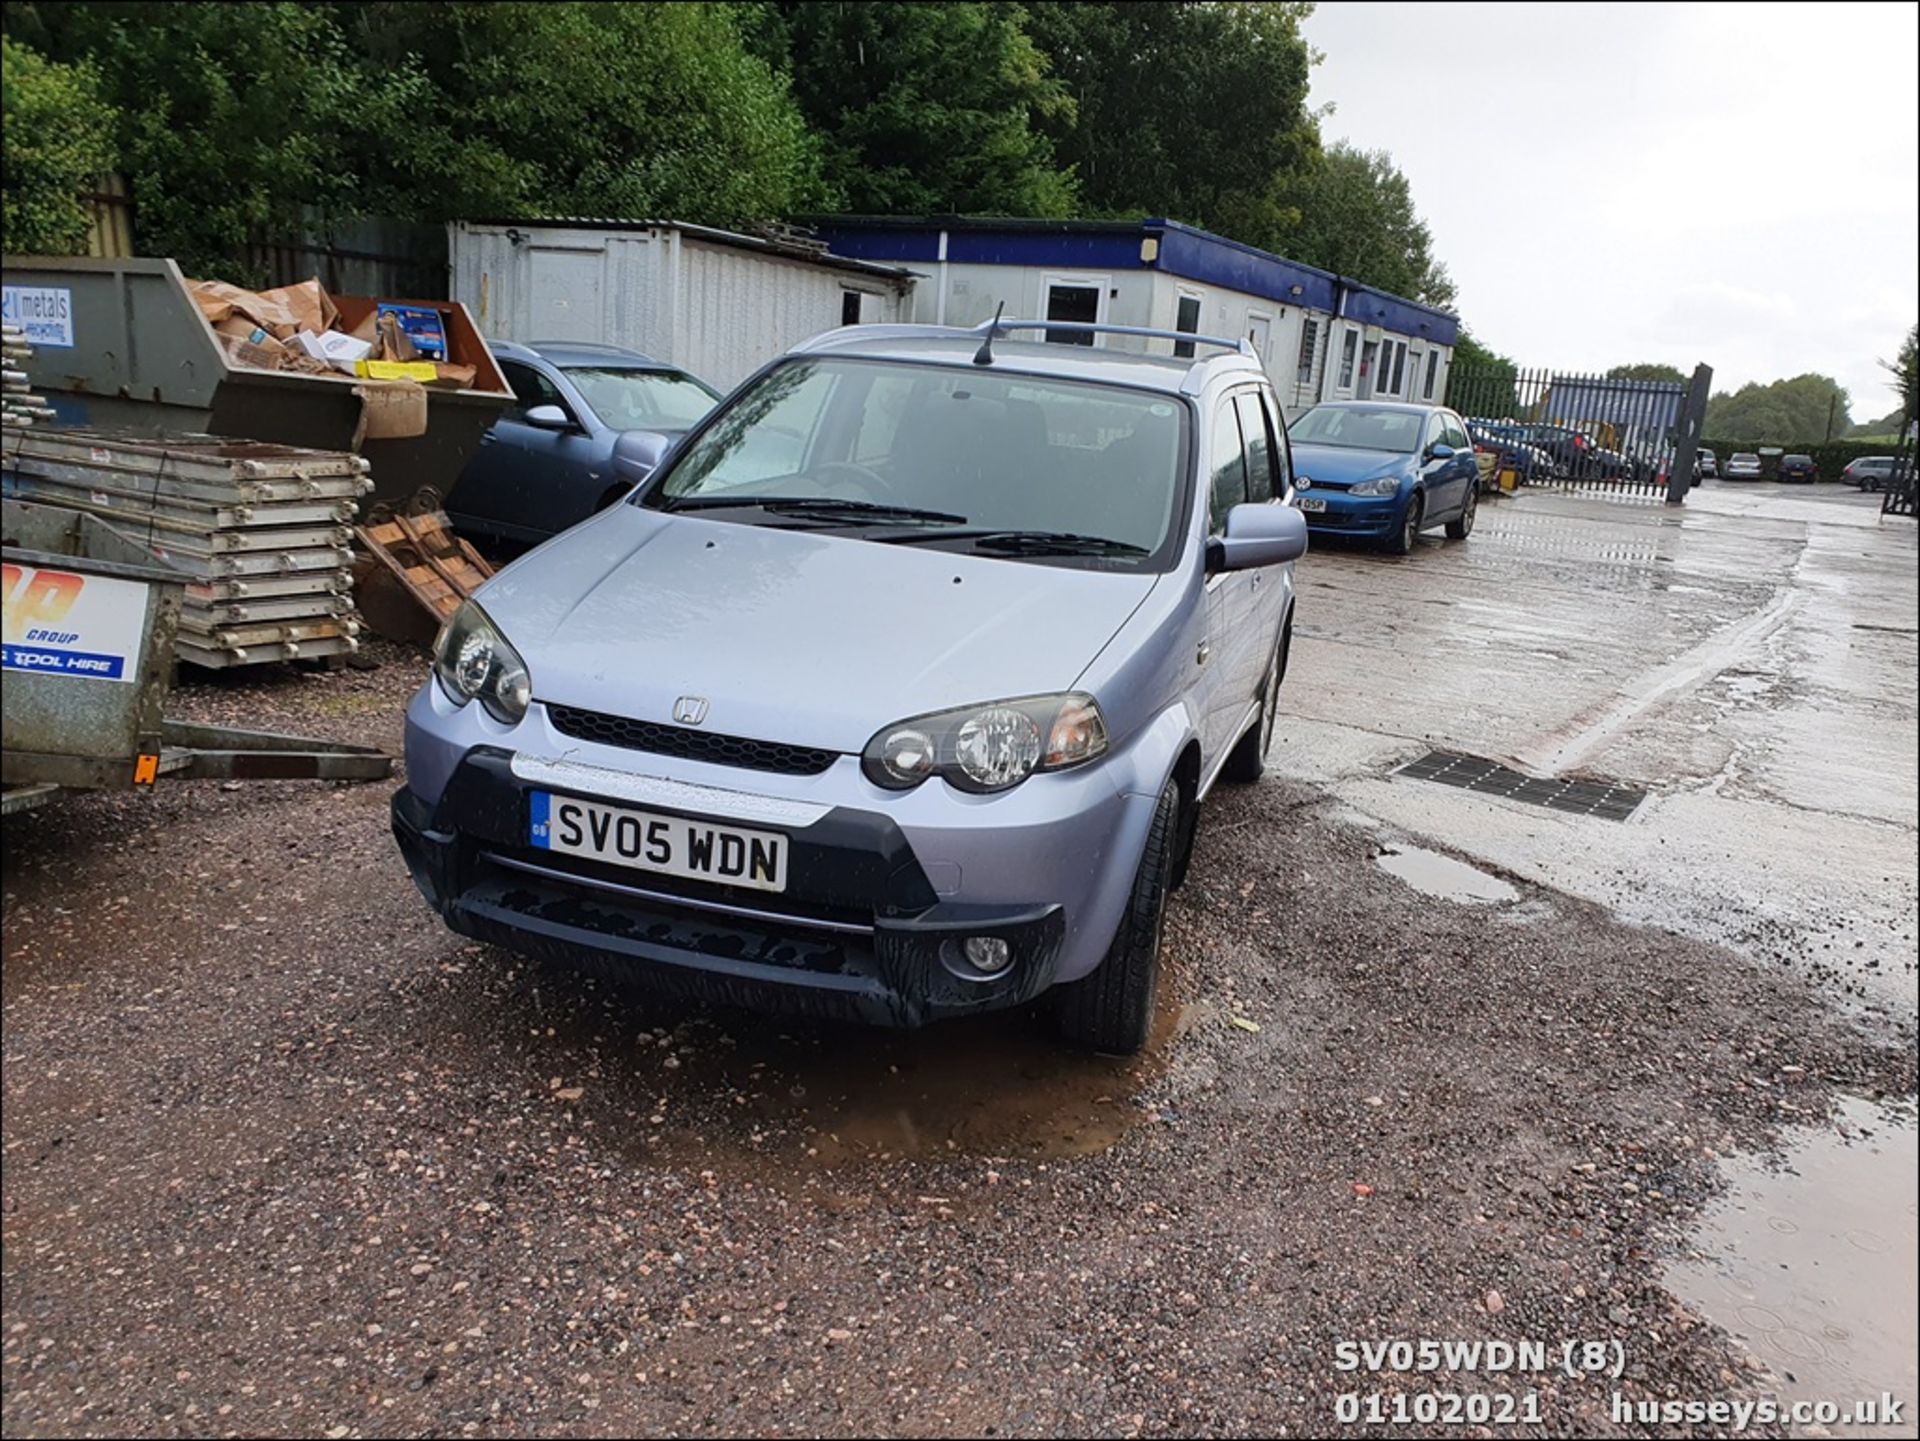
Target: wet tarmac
1810,1261
1749,658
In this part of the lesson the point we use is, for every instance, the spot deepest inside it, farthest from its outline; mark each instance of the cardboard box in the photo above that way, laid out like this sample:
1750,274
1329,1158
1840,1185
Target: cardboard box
341,352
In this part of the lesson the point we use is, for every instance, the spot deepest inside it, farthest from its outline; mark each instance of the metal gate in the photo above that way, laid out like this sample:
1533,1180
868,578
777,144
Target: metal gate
1592,431
1899,498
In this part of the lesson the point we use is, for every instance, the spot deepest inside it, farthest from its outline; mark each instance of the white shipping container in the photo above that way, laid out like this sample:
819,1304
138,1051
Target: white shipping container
717,304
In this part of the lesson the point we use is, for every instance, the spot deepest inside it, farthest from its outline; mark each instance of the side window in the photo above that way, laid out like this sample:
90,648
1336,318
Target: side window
1282,450
1186,320
1229,483
1436,432
530,388
1253,428
1457,433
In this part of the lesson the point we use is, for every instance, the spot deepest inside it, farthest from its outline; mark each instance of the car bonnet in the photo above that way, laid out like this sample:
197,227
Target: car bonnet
789,635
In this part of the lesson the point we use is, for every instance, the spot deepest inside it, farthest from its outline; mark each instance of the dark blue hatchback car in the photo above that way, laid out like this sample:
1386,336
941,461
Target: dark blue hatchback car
587,424
1383,471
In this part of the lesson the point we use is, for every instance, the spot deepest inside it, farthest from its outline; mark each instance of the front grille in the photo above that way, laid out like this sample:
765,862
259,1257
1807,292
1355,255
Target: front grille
693,745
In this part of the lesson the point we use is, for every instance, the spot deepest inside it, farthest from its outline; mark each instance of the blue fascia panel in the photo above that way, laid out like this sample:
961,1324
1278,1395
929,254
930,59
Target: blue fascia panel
1215,260
891,243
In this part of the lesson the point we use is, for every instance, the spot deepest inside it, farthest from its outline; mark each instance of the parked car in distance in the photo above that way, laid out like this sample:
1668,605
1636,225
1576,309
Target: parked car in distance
1706,465
1872,472
1798,467
587,423
1384,471
1743,465
1533,463
895,693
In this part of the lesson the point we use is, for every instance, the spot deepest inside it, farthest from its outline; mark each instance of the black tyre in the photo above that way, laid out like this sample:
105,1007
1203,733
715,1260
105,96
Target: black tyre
1248,759
1463,527
1111,1009
1402,543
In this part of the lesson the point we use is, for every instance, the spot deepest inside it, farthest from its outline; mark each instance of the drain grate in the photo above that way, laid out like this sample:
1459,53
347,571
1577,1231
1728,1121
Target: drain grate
1472,773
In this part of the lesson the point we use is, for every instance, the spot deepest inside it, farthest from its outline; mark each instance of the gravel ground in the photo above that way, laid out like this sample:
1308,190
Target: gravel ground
283,1156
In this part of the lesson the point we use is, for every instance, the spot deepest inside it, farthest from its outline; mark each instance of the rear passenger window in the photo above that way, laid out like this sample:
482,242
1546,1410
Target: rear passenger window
1229,485
1259,446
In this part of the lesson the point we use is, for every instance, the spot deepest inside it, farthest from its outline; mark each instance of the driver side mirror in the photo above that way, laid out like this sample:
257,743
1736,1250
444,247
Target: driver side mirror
1440,450
1258,535
548,417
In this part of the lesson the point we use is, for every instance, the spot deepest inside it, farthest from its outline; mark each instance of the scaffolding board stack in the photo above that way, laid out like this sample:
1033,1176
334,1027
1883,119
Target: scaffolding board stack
263,531
19,406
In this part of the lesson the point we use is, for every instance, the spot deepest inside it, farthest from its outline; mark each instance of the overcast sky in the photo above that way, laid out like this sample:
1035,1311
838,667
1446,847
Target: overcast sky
1733,183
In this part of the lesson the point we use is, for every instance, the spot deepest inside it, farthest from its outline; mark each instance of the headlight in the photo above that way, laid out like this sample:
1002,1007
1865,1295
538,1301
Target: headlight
988,747
1379,485
473,661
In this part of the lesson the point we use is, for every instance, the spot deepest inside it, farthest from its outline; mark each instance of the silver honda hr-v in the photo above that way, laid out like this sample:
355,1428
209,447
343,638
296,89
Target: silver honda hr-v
892,693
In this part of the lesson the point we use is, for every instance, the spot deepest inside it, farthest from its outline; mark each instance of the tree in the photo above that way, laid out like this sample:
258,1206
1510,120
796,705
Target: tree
58,142
925,109
1481,381
654,111
1647,371
243,122
227,118
1802,411
1185,110
1352,213
1905,370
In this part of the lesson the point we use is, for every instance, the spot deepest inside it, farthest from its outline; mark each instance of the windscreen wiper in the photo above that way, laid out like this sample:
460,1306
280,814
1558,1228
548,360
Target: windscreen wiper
1032,542
821,505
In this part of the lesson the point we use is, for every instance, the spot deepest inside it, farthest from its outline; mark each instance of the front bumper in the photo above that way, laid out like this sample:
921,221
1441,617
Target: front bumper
860,934
1368,516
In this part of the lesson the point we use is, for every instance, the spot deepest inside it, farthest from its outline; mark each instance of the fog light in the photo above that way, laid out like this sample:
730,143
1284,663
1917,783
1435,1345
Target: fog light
988,954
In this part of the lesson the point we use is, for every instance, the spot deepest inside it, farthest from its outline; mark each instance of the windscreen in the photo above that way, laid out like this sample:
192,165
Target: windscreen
980,449
1359,427
642,399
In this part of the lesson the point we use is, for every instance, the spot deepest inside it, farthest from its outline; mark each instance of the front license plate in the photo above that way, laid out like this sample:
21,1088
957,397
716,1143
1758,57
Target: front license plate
667,845
1312,503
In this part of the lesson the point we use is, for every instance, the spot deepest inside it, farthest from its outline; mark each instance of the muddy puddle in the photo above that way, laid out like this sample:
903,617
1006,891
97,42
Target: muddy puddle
1436,875
1810,1261
750,1101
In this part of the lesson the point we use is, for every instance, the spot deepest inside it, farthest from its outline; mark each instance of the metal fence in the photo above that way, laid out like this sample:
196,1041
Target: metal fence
1591,431
371,255
1899,498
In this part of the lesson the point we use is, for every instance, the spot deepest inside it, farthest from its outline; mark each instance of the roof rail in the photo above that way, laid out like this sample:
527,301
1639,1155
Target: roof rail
988,328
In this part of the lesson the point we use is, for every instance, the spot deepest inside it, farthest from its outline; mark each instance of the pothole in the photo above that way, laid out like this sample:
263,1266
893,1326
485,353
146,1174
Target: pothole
1433,874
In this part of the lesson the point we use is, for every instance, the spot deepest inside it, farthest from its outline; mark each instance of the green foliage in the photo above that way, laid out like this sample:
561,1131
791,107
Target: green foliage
654,111
1647,371
1186,110
229,117
1905,370
233,120
1480,381
1353,214
1802,411
59,139
925,109
1829,458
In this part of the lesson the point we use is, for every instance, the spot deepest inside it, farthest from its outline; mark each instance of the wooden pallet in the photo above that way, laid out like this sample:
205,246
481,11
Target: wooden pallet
437,568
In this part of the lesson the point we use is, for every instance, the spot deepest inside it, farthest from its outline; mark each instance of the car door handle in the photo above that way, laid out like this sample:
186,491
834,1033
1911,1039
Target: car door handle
487,439
1200,655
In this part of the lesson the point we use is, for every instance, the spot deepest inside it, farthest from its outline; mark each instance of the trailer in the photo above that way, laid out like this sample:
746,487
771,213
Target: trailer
89,621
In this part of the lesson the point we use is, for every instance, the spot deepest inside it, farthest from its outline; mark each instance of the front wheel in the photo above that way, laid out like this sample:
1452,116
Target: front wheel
1402,543
1463,527
1111,1009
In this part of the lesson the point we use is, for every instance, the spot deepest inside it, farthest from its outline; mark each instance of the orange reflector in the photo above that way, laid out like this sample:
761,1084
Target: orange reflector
145,769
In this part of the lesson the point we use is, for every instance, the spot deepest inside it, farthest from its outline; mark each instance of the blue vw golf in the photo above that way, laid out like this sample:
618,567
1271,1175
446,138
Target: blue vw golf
1383,471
